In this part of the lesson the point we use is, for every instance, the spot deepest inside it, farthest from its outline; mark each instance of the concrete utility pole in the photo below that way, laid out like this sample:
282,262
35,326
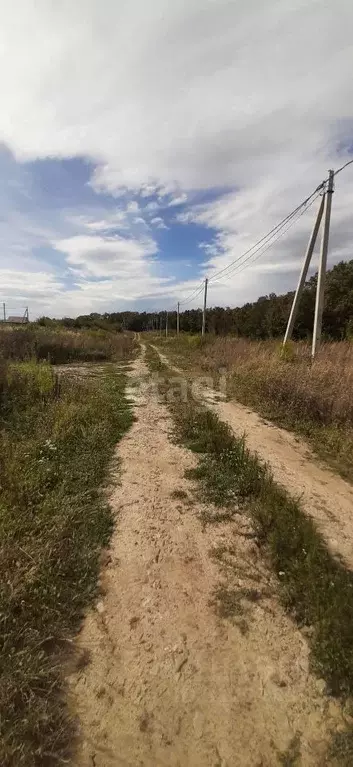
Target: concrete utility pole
204,308
303,274
166,324
178,326
320,290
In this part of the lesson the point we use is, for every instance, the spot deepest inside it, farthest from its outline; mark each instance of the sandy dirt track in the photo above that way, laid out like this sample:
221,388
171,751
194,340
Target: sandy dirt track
169,682
325,495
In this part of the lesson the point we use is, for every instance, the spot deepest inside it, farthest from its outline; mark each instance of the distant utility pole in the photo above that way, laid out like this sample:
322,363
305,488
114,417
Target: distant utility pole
4,309
324,210
204,308
178,325
166,324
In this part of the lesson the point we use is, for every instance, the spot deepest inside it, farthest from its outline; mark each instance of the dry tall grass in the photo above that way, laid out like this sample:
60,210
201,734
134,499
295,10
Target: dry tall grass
321,391
61,346
315,399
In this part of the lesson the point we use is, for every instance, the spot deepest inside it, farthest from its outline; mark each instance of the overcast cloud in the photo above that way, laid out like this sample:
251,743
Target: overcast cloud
216,114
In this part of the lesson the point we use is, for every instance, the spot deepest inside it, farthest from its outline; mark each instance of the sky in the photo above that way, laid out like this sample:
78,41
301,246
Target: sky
147,145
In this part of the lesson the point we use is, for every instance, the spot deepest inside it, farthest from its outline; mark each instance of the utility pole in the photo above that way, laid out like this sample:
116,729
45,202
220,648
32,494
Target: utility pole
4,308
320,290
166,324
204,308
303,274
178,325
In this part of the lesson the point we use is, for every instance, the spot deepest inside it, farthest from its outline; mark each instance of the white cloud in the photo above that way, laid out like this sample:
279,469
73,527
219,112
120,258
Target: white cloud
21,285
172,97
133,207
95,256
207,94
181,200
158,222
118,220
152,206
39,290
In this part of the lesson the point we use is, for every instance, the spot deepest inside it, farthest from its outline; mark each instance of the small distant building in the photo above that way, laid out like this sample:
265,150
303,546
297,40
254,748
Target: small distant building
15,319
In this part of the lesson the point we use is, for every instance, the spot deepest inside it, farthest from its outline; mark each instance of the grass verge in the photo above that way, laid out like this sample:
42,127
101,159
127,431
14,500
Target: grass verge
314,587
57,439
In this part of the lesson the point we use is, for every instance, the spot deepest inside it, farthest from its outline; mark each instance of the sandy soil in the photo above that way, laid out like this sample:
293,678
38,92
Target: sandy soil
170,683
325,495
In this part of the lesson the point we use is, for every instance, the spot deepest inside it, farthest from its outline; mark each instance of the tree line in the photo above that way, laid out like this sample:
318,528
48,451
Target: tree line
265,318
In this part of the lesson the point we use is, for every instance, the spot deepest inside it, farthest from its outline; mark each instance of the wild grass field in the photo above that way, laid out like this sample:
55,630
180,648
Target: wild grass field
314,399
57,437
60,346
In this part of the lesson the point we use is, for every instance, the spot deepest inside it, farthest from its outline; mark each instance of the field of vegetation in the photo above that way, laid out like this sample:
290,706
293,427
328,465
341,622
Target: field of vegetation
313,399
57,438
59,345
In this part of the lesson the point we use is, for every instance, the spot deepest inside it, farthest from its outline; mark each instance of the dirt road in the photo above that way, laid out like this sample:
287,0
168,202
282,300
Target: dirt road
170,683
325,495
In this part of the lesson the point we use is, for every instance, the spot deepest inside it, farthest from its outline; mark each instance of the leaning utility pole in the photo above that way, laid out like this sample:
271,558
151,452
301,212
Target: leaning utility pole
178,326
304,272
204,308
166,324
320,290
324,210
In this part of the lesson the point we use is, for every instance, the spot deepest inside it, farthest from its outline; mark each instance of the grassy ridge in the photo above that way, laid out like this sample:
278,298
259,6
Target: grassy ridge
56,442
314,587
315,400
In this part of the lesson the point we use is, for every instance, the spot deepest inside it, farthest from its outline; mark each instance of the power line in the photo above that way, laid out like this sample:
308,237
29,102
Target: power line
252,257
197,290
343,167
265,242
271,233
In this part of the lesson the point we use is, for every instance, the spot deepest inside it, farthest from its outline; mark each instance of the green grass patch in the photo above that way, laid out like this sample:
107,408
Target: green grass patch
57,438
314,586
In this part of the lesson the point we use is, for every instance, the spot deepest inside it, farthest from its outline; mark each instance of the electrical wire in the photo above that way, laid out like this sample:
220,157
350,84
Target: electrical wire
189,298
271,233
263,248
265,242
343,167
193,296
